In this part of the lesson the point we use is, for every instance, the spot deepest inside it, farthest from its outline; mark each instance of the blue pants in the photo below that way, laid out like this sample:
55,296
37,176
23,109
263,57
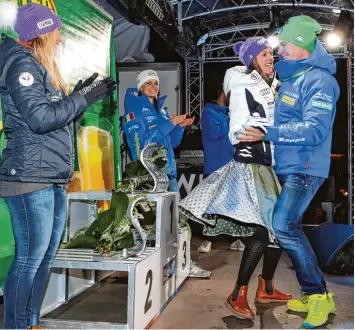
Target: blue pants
297,193
38,220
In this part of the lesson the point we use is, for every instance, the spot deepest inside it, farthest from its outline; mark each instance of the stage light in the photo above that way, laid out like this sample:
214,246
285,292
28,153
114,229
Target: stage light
336,11
274,41
342,29
333,40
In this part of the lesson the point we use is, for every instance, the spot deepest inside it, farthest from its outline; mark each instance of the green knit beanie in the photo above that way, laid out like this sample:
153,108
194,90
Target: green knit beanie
301,31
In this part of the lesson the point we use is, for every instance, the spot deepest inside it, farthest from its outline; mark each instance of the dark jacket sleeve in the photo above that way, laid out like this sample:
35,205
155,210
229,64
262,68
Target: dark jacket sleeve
41,115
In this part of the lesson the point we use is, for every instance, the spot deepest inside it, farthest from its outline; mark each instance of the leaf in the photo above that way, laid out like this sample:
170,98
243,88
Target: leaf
119,202
83,242
125,243
101,224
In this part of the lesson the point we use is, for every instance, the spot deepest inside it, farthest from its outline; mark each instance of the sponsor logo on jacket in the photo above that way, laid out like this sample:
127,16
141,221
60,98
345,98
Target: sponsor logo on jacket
288,100
265,91
322,105
151,118
323,97
292,140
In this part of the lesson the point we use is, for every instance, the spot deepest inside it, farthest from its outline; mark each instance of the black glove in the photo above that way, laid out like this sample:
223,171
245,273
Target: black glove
80,85
98,90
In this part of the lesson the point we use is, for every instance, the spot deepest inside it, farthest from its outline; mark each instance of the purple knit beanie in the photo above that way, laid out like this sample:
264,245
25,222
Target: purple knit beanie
34,20
250,49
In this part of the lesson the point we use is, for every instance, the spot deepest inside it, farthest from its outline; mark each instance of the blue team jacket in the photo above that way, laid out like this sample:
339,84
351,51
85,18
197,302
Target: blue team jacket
217,149
304,114
143,124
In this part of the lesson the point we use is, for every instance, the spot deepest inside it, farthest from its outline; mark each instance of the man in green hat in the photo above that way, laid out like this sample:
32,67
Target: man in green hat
302,135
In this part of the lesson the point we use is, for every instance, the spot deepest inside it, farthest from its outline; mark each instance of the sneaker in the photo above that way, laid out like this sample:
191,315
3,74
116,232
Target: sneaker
197,271
205,247
319,308
237,246
298,305
241,246
301,305
234,245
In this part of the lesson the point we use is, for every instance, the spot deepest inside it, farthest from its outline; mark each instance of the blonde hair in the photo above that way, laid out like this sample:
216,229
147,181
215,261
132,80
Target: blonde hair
44,52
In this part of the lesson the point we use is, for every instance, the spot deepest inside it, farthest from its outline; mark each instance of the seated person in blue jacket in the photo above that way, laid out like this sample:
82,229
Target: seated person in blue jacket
217,149
146,121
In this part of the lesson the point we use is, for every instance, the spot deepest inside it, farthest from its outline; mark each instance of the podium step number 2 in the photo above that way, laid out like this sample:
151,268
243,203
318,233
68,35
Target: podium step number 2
157,279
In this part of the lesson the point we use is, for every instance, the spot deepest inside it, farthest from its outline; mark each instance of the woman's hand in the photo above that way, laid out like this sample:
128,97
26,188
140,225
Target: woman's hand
250,134
187,122
177,120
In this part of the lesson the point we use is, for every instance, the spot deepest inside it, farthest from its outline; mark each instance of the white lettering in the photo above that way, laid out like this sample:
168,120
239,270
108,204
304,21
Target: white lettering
44,24
183,183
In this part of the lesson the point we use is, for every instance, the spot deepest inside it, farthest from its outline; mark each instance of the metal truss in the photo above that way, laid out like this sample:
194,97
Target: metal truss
190,9
350,139
194,72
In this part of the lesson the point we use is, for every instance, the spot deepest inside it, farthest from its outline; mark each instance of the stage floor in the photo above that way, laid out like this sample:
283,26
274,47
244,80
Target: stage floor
200,303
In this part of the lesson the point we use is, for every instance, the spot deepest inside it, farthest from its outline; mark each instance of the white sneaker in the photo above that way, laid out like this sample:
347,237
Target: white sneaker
237,246
197,271
205,247
234,245
241,246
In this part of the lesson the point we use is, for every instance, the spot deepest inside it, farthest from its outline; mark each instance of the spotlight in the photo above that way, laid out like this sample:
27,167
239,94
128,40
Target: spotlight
342,29
333,40
274,41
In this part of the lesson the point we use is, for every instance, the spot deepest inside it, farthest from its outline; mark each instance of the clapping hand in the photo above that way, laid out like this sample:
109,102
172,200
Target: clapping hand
80,85
187,122
177,120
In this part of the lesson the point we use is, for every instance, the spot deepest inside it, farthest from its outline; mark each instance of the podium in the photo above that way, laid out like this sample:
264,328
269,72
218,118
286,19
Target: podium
154,276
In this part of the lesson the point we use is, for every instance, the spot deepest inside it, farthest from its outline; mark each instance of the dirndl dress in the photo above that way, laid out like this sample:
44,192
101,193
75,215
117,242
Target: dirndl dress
234,200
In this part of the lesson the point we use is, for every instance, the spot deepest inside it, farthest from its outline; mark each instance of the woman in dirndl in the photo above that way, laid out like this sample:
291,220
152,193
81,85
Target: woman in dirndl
238,199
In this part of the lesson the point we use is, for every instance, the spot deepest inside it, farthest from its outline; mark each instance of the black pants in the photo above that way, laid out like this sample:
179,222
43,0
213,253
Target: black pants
255,248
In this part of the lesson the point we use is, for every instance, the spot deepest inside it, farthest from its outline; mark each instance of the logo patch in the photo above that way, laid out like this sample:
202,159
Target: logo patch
26,79
255,77
129,117
293,95
299,38
44,24
323,96
288,100
265,91
322,105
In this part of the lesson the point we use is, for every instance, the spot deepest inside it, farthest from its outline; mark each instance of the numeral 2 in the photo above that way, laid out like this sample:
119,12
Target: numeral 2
148,303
